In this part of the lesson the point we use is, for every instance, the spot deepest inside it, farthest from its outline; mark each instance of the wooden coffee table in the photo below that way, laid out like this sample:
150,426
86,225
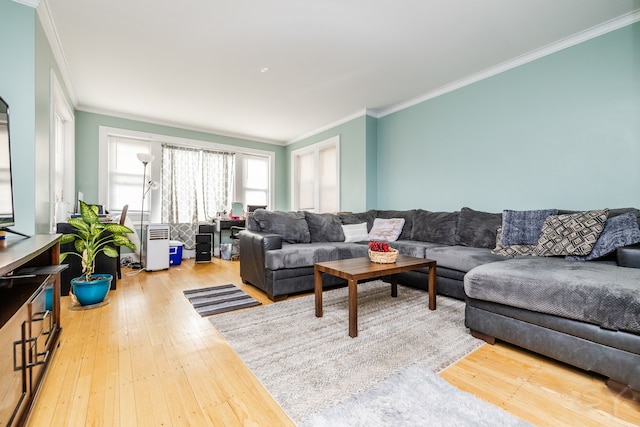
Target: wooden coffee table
356,269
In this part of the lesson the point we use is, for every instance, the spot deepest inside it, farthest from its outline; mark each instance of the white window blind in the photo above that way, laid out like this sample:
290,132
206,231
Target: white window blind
125,180
316,177
255,182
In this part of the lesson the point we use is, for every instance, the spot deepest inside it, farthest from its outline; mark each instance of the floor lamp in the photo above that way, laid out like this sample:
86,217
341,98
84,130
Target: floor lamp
145,158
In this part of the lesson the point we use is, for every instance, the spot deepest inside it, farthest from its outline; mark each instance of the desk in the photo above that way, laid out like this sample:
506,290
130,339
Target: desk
225,224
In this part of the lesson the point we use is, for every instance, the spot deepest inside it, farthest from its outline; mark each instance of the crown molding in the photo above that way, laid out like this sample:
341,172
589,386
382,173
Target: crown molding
177,125
50,31
31,3
573,40
363,112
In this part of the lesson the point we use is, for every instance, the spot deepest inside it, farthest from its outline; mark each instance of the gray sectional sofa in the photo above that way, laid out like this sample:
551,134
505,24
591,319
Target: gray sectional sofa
585,313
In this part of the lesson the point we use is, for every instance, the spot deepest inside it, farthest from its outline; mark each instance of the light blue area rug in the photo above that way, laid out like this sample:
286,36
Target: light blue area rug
414,396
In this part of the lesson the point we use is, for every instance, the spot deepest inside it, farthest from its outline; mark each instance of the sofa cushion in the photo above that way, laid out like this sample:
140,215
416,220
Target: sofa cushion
523,227
324,227
594,292
412,247
571,234
355,232
292,226
300,255
352,250
477,229
619,231
406,215
461,258
436,227
511,250
357,218
386,229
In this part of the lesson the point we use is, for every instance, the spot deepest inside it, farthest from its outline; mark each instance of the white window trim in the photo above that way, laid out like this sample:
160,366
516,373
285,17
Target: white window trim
59,105
314,148
156,149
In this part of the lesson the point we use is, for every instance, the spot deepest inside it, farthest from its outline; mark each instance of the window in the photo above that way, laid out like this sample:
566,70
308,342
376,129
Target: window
196,184
255,180
316,177
249,179
125,179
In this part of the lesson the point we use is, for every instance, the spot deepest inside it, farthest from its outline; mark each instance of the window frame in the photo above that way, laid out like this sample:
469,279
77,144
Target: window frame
62,191
154,169
315,150
242,187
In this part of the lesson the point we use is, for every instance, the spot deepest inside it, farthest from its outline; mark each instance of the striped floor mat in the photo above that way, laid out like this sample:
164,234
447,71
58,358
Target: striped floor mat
219,299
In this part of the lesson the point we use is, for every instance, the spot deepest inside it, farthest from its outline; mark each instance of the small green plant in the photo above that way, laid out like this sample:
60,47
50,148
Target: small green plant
90,238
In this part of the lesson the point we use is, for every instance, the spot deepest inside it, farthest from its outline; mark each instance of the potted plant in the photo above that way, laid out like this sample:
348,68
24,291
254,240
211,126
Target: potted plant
92,237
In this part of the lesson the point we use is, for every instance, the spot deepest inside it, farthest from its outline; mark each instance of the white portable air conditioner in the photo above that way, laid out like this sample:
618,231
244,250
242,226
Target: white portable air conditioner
156,254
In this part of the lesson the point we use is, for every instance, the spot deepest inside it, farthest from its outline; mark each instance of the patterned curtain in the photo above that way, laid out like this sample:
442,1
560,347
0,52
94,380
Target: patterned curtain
196,183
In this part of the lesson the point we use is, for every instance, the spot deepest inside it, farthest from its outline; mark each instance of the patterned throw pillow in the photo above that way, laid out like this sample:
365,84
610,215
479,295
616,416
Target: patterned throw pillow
511,250
571,234
355,232
619,231
386,229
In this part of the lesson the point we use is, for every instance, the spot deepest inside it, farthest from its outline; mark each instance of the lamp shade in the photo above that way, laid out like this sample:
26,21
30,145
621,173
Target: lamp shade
145,157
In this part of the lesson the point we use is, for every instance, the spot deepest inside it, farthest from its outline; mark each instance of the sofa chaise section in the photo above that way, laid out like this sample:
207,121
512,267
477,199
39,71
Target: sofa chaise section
586,314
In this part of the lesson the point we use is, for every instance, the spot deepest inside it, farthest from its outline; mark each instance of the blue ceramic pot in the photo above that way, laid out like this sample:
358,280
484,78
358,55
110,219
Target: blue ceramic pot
93,292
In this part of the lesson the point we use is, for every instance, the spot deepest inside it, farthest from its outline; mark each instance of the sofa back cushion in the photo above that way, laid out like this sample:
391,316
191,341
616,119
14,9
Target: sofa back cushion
358,218
292,226
407,215
435,227
324,227
478,229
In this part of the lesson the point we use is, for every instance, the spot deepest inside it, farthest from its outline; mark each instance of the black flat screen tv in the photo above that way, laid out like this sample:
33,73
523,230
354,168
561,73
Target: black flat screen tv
7,213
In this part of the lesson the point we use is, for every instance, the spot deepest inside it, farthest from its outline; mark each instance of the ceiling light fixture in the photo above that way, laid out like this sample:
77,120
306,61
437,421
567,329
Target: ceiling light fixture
265,70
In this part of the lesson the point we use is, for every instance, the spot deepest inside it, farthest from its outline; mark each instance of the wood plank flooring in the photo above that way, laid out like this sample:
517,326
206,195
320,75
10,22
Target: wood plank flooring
148,359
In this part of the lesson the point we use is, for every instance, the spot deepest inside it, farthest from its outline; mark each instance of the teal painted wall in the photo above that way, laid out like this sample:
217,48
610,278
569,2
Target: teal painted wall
562,131
87,140
17,73
25,85
355,159
17,50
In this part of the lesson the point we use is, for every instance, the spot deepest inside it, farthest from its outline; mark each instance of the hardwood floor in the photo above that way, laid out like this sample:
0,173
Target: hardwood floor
147,358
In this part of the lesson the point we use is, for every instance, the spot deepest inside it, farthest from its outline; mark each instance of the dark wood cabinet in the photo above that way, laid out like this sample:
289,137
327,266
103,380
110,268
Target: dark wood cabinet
29,321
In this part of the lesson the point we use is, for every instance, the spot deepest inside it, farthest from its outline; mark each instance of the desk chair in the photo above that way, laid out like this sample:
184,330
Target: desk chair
123,216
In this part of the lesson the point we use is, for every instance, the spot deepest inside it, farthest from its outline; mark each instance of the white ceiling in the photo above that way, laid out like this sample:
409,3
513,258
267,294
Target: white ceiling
196,64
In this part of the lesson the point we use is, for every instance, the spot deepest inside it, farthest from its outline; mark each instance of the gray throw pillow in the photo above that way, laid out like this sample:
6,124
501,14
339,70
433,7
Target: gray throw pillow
292,226
477,229
435,227
523,227
619,231
324,227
